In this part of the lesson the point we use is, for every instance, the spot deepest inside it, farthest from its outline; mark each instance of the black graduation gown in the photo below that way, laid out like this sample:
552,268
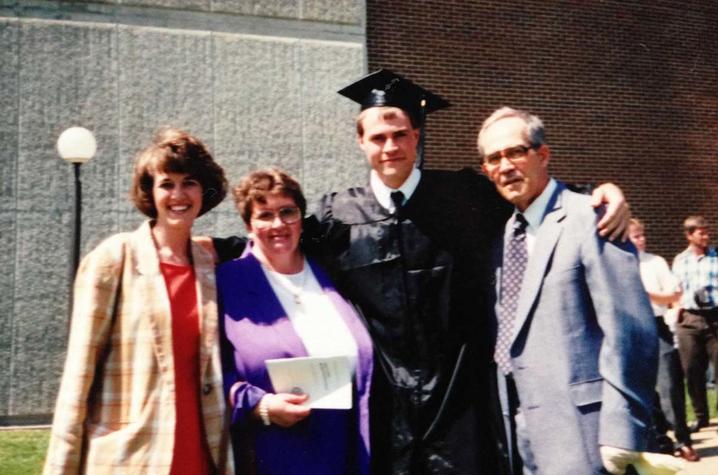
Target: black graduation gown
419,278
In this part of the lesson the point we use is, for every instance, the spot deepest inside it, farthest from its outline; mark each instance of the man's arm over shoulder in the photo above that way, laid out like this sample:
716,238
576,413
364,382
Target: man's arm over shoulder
325,234
228,248
484,195
462,205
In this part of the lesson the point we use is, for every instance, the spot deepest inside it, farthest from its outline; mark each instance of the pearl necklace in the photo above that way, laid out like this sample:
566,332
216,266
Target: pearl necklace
286,283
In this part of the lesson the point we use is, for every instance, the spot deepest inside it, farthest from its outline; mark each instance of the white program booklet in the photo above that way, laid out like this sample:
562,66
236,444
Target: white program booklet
327,380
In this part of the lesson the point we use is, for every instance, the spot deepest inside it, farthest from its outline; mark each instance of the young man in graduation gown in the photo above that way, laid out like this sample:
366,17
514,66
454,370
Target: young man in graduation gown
412,251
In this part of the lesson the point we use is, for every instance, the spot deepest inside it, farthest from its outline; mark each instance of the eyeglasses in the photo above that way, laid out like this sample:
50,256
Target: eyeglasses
287,215
511,154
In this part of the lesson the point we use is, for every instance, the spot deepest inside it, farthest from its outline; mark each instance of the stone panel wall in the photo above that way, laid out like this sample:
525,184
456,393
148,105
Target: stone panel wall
257,96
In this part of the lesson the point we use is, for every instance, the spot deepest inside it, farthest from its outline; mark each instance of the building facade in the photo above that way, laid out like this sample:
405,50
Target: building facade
628,91
255,80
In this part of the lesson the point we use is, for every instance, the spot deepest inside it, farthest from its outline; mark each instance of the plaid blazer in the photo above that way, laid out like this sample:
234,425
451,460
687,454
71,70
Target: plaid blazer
115,410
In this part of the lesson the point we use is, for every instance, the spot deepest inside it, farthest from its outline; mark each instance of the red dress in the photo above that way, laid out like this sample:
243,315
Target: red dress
191,453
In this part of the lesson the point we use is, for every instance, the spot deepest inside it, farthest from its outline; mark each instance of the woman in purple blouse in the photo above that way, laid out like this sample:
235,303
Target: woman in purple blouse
276,303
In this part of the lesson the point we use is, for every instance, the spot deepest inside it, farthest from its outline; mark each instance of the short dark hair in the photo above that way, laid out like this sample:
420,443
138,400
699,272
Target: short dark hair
694,222
258,185
176,151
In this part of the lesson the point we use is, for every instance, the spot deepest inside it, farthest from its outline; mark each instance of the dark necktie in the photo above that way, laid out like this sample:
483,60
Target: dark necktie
514,266
397,197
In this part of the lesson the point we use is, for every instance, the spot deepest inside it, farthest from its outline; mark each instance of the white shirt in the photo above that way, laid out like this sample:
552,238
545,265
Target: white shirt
315,319
657,278
383,192
535,213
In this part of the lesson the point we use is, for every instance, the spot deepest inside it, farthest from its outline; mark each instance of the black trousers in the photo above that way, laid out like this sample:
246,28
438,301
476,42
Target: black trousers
508,408
670,387
697,334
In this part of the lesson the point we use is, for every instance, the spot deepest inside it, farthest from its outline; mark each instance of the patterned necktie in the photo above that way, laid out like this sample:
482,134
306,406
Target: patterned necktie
514,266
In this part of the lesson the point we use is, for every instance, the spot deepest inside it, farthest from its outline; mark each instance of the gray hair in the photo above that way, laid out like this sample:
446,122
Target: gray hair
534,130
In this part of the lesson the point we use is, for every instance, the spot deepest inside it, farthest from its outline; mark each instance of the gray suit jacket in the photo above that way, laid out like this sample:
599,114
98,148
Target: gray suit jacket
584,347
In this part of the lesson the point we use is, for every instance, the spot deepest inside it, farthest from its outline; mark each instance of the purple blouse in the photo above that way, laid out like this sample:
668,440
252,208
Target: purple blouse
256,328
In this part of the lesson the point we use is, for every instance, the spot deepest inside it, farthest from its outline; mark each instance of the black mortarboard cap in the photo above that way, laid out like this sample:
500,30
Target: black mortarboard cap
385,88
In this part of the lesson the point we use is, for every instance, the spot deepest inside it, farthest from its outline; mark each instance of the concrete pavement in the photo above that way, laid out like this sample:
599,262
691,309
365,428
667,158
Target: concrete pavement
706,444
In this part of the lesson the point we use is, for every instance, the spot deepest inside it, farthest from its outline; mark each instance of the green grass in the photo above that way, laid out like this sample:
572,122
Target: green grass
690,415
22,452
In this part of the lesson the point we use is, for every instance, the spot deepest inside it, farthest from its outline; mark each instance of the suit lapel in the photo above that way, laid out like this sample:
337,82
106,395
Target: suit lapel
546,239
206,304
156,298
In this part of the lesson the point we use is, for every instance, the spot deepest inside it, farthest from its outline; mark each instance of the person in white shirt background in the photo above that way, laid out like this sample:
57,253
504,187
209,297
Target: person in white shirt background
663,290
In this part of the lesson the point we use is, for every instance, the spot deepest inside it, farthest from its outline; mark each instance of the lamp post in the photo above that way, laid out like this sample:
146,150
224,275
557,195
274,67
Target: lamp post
76,145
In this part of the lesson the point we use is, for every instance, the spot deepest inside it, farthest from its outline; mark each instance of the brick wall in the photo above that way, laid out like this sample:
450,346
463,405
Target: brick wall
628,90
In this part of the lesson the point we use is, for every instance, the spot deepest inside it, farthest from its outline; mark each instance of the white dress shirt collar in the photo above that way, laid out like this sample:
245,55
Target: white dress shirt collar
537,209
383,192
535,213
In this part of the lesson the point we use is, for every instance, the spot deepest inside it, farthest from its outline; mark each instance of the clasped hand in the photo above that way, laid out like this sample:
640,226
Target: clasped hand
284,409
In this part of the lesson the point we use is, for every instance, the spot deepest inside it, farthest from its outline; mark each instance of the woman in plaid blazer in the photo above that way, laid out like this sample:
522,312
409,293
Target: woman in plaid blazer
142,387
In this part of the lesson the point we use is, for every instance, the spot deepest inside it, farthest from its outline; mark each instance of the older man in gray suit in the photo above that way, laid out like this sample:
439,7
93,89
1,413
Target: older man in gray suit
576,342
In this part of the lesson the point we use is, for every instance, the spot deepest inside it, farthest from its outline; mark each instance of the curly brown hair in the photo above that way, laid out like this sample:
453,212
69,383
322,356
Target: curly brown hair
256,186
176,151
